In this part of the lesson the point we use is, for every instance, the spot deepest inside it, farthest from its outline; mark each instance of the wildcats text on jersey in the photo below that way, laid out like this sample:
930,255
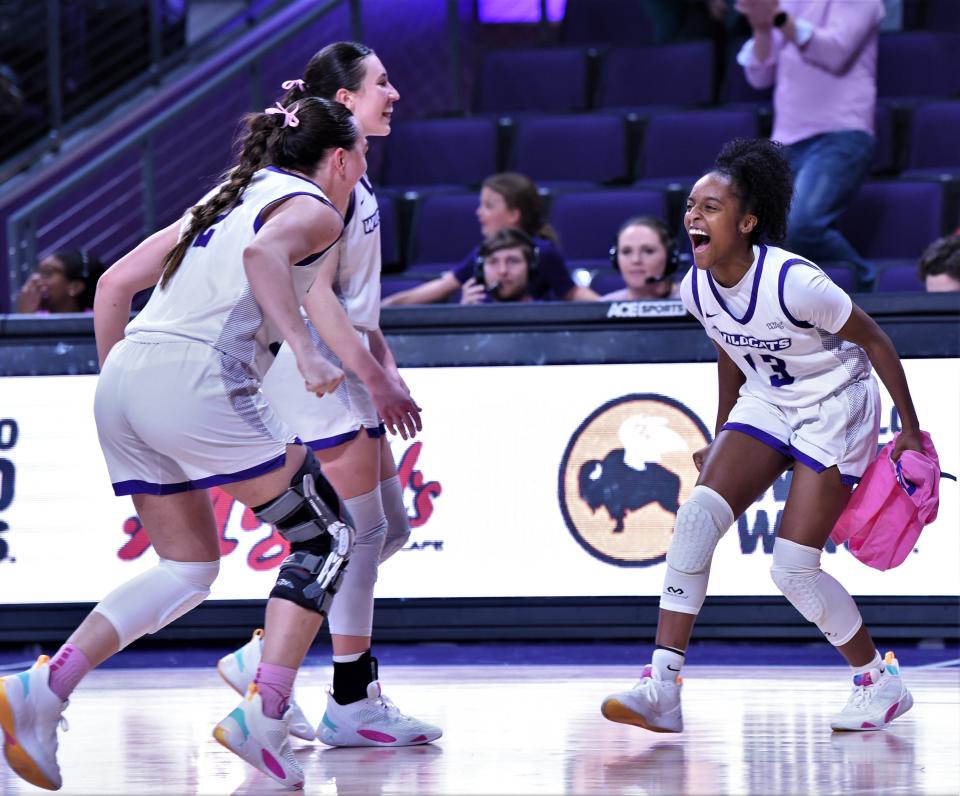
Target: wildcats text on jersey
371,222
748,340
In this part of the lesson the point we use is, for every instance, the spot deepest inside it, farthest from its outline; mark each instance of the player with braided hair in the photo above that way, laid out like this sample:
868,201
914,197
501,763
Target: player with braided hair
346,429
794,358
178,409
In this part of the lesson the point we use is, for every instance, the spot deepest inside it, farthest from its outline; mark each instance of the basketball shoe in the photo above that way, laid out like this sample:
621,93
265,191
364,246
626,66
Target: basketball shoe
877,698
374,721
653,704
260,740
238,670
30,713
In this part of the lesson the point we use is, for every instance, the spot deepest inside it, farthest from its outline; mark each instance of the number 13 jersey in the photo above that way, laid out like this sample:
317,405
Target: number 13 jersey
779,325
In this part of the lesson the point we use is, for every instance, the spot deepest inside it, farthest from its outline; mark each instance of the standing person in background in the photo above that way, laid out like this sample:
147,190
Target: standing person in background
507,200
179,409
821,58
64,281
345,429
794,357
646,256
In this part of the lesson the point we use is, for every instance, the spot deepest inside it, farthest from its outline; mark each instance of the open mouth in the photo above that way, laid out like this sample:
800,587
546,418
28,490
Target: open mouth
699,239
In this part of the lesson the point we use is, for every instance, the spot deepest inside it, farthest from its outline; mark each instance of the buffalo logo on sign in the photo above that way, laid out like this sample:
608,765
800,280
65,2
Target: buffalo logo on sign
624,474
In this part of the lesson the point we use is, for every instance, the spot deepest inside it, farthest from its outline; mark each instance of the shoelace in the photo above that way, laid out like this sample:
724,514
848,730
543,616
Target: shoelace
862,695
392,710
650,690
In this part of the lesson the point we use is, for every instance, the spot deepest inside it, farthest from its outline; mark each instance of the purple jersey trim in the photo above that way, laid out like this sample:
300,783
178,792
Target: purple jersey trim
694,279
786,449
136,487
331,442
755,290
780,285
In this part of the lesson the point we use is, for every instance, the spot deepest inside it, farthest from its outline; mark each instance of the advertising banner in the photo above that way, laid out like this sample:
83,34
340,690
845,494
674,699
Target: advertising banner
525,482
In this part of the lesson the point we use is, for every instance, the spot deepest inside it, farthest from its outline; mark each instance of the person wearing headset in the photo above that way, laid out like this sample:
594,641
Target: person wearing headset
647,257
504,268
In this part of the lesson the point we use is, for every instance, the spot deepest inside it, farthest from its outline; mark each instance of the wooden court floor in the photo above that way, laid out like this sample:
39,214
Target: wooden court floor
523,730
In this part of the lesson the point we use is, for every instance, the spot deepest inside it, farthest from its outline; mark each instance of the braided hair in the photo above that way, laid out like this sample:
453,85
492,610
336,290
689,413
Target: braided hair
269,139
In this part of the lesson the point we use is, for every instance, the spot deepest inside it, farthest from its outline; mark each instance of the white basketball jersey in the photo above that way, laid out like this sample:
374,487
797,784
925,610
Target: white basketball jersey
357,282
779,325
209,299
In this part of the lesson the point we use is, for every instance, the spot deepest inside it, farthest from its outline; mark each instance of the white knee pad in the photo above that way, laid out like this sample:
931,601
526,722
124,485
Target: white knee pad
398,522
157,597
701,521
352,611
814,593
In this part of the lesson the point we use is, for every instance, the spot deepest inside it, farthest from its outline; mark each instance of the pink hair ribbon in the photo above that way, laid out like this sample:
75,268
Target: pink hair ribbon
289,84
289,114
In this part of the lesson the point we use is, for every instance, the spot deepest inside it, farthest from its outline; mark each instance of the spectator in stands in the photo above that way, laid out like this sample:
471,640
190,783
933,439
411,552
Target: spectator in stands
505,265
507,200
64,281
822,58
647,257
940,265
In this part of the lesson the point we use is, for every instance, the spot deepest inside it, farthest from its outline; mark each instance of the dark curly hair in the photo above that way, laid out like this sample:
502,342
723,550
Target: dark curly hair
763,182
941,257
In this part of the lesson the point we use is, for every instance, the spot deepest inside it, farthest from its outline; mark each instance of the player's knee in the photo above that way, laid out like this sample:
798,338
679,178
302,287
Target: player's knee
398,522
301,578
701,522
157,597
796,572
814,593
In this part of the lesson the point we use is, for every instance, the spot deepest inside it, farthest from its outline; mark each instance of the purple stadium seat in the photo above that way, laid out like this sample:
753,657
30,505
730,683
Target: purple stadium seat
390,284
735,88
842,274
441,152
899,279
390,254
935,136
606,22
444,229
579,150
918,64
884,155
546,80
587,221
665,74
606,280
681,146
943,15
894,219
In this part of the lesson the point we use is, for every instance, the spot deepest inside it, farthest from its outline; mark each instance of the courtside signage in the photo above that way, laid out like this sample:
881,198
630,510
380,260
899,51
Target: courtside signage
558,481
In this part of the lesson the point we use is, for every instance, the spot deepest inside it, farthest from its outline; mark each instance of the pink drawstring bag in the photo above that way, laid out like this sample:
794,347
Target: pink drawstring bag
890,507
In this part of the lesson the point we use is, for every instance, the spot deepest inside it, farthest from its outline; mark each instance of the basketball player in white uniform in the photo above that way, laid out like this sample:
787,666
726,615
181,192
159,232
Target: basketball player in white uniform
346,429
794,365
178,409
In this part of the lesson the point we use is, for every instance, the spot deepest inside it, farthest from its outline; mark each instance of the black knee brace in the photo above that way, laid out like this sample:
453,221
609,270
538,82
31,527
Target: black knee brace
308,515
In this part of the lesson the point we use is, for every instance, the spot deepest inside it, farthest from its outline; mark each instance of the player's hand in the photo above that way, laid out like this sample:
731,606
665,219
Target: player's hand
319,375
700,456
399,411
31,296
907,441
472,292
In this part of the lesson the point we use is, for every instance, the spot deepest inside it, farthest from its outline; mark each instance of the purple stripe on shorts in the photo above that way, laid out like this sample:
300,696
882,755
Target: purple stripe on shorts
331,442
759,434
135,487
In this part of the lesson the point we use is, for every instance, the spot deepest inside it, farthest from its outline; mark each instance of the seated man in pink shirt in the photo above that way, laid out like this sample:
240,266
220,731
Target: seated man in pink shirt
821,58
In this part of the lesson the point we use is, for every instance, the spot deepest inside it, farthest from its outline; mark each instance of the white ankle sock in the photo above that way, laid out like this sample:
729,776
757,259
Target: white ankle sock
667,663
876,663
